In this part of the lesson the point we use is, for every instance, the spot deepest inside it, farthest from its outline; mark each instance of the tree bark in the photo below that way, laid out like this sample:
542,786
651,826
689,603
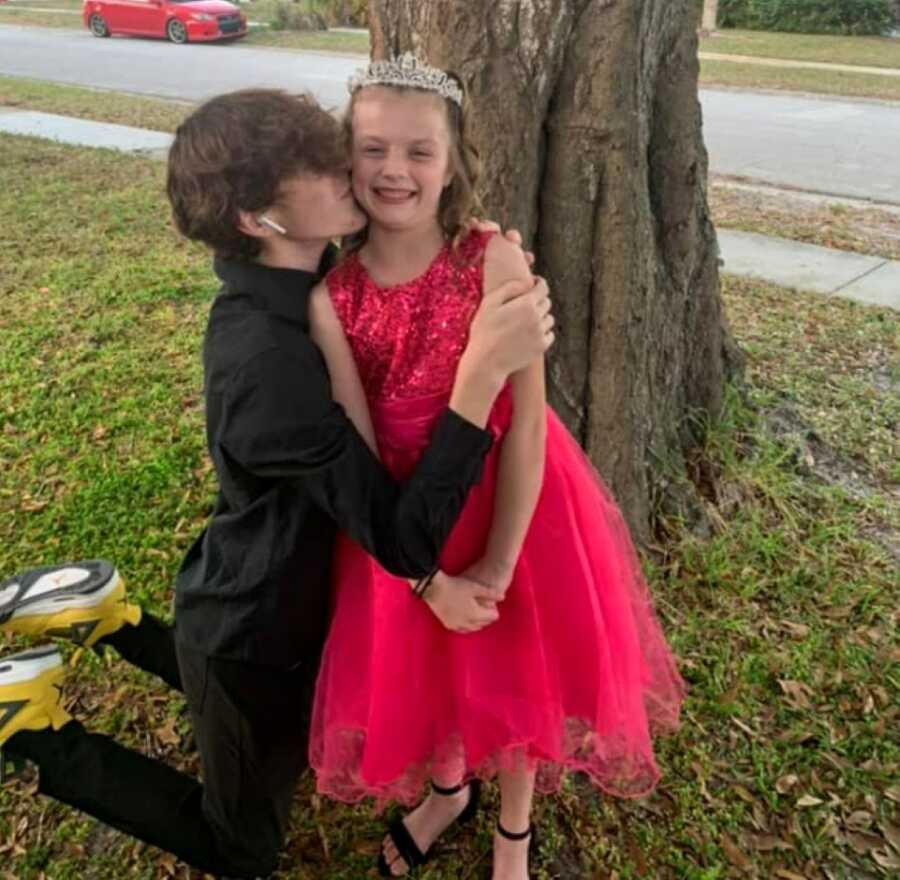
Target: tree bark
588,122
710,15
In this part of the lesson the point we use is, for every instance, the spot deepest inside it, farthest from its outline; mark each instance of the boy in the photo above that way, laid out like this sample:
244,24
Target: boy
261,177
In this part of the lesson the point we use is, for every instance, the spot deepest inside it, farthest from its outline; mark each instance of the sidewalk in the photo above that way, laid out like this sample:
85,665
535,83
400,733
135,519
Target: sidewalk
870,280
809,65
84,132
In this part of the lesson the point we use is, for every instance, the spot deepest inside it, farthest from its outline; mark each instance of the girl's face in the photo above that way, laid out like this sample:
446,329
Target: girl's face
401,156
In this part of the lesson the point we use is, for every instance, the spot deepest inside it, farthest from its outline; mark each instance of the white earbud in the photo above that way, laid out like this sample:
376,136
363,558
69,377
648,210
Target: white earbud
265,221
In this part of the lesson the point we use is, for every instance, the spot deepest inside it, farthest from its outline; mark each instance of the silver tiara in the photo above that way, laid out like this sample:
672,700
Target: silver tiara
408,73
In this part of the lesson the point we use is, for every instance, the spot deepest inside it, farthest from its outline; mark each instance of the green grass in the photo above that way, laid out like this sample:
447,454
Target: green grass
315,41
102,310
864,51
849,227
12,15
822,82
101,106
71,5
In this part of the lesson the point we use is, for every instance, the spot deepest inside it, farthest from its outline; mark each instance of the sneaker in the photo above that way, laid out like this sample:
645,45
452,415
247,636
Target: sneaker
80,601
29,694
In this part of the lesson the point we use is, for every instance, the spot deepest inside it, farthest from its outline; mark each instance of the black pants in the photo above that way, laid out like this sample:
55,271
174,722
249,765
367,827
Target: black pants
251,727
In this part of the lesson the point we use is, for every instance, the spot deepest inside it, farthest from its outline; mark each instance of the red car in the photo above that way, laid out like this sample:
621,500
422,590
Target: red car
180,21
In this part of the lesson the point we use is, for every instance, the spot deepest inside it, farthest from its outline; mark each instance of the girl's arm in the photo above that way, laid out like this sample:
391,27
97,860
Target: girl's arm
459,605
346,387
521,469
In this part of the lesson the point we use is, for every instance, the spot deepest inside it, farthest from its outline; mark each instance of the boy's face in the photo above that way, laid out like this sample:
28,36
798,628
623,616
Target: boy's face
313,207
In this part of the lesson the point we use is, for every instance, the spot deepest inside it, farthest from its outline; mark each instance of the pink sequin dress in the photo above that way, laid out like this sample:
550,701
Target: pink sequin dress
575,675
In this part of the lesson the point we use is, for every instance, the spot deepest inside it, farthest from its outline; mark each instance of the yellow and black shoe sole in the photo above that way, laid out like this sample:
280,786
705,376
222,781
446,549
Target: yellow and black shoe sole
29,696
80,601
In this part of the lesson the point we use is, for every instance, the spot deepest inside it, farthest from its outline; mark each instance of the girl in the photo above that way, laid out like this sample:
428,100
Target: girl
575,673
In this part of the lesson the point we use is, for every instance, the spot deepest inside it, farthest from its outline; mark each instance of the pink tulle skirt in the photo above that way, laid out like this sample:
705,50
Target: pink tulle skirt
575,676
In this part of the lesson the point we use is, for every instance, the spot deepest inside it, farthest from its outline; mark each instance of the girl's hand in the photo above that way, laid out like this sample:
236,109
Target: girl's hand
493,575
511,235
461,604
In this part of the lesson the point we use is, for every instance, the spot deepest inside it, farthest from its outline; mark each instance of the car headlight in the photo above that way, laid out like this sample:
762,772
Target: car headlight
201,16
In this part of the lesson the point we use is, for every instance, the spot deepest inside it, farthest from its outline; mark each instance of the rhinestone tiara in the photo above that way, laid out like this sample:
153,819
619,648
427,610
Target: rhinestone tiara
409,73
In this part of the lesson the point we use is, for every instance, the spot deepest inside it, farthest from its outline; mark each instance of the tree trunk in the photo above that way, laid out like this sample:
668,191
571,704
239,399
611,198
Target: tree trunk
710,15
588,122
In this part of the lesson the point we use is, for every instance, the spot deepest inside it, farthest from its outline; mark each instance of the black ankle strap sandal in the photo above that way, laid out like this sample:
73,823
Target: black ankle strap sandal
530,835
520,835
407,847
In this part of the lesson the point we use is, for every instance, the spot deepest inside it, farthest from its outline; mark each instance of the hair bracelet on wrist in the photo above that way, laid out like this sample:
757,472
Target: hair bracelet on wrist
422,586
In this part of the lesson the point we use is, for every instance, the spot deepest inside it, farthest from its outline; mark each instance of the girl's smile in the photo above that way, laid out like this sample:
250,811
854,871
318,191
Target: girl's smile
401,156
393,195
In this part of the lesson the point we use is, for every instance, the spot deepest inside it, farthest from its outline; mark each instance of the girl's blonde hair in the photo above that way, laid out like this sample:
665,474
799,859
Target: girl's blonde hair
460,201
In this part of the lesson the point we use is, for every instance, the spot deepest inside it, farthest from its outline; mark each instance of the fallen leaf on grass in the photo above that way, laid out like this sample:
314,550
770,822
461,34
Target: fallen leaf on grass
838,612
785,783
809,800
892,833
798,630
167,734
748,730
797,693
765,842
167,863
743,794
893,793
734,854
784,874
859,820
797,738
863,842
886,858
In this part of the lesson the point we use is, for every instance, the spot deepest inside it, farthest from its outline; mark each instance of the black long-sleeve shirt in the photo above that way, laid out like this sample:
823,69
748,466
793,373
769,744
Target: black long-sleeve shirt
291,468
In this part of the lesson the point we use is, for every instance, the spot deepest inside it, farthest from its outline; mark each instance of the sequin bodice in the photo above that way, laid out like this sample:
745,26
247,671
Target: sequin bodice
407,339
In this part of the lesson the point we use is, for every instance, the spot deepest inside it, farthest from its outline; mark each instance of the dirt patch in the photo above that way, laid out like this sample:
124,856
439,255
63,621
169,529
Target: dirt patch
811,456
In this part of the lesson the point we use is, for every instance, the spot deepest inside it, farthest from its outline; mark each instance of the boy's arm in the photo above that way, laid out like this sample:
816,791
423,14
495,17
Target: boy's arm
281,422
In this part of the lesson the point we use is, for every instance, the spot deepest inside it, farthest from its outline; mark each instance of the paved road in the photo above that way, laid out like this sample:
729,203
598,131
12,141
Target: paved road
832,146
155,67
838,147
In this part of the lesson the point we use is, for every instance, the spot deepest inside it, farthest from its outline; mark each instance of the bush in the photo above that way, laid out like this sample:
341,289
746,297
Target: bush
354,13
809,16
293,16
317,15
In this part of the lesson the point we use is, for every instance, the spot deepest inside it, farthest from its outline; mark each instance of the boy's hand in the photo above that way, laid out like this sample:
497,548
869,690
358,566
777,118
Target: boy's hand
460,604
511,329
511,235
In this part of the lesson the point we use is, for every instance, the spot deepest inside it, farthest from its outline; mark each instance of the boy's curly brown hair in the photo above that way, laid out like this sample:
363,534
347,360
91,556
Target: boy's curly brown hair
233,153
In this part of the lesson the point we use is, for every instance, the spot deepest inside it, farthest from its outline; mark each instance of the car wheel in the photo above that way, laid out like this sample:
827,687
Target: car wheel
176,31
98,26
